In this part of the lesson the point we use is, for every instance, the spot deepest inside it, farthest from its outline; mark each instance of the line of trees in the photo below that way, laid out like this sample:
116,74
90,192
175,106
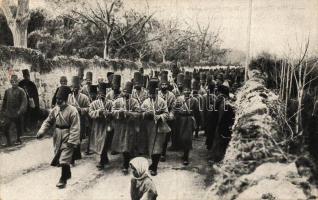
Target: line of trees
109,31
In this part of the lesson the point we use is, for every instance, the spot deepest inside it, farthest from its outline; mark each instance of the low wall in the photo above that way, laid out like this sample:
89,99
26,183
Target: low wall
255,139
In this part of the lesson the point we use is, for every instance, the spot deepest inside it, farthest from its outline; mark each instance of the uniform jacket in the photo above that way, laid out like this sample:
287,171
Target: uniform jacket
100,123
67,130
14,102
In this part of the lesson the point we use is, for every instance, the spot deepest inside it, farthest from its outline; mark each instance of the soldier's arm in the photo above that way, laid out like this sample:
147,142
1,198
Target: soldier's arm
85,107
93,112
47,124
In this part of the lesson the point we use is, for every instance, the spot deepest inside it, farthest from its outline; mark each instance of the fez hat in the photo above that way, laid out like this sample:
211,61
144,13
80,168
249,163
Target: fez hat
157,74
153,85
203,76
109,74
116,80
180,78
89,76
141,70
80,72
128,87
63,78
63,92
14,76
187,83
164,78
209,78
145,80
76,81
175,70
93,89
187,75
138,78
102,87
25,72
196,85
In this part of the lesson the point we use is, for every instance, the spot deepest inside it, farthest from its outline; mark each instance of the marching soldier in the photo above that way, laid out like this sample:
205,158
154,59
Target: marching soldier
140,94
100,113
89,90
186,110
66,136
155,114
170,99
199,97
178,90
125,114
109,81
115,92
81,103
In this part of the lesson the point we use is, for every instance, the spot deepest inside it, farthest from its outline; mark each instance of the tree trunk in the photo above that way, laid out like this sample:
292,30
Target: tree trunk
105,55
18,24
19,34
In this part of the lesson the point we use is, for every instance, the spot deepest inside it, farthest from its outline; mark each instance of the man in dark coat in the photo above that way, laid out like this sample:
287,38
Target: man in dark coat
66,137
14,105
225,122
31,114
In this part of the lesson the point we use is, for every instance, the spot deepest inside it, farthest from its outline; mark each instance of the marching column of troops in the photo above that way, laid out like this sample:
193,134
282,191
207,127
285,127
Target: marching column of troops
142,118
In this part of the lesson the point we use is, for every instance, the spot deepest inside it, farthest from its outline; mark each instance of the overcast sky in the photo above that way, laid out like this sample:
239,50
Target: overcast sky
276,24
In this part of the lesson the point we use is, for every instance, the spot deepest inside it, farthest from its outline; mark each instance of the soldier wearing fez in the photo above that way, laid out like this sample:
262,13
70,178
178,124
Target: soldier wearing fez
186,110
100,113
89,90
31,114
63,82
13,107
170,99
155,113
115,92
140,94
199,97
66,120
203,77
81,103
125,116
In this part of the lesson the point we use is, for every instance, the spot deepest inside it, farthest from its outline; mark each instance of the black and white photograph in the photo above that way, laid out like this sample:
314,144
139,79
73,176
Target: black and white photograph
158,99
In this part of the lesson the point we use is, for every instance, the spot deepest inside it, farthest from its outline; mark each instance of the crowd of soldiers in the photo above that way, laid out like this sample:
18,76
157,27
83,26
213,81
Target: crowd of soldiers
142,118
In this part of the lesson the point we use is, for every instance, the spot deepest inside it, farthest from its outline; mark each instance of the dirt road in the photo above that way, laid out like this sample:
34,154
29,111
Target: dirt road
26,174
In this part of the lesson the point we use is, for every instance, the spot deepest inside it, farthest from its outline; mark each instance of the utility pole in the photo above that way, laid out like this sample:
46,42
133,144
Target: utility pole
248,46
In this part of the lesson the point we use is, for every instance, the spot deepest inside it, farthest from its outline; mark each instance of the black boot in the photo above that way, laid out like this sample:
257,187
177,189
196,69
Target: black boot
154,166
66,174
103,161
126,157
186,157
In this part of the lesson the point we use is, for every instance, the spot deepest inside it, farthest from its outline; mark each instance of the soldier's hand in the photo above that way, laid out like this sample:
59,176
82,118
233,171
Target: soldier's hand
101,112
70,145
157,117
39,136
